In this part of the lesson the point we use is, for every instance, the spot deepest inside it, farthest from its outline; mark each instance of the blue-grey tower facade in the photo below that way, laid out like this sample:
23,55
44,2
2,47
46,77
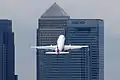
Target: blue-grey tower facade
79,64
7,51
88,32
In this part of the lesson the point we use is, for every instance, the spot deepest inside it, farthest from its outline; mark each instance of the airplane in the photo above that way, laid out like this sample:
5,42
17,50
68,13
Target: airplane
58,49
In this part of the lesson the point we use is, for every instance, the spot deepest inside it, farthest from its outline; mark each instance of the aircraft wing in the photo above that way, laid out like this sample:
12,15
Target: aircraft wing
45,47
67,47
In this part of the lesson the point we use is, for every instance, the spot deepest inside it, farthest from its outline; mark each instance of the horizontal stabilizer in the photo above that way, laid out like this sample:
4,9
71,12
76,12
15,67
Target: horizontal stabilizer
56,53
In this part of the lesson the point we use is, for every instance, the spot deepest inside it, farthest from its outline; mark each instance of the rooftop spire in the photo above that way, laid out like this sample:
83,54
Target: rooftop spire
54,11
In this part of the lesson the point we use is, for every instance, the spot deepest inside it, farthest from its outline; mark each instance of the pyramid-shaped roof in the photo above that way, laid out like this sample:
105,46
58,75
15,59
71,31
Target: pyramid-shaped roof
54,11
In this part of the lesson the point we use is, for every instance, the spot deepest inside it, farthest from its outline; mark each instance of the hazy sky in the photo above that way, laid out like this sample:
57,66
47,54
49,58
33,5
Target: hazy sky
25,14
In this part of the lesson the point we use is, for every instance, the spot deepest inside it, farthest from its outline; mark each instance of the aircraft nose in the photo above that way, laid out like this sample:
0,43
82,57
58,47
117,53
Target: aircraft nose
62,35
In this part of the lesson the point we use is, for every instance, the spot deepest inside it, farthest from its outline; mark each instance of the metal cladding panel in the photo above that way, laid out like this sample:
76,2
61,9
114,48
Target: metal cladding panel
101,50
55,12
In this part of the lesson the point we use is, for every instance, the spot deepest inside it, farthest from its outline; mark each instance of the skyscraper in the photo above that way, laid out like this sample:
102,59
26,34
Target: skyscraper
79,64
88,32
7,51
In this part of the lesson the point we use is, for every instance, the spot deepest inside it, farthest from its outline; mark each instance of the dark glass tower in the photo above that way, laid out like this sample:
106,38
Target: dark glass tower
79,64
6,50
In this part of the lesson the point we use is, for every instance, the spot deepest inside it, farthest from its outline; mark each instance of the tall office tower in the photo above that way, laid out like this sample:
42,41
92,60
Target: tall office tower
88,32
79,64
6,51
51,24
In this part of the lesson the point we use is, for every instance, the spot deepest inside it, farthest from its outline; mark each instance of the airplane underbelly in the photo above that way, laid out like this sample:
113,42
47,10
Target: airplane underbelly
60,46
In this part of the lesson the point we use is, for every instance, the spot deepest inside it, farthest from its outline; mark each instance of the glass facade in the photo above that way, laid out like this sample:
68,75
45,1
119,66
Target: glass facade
6,50
79,64
88,32
48,66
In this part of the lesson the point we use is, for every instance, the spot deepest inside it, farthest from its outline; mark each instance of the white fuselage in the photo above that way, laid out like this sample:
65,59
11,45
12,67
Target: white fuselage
60,43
